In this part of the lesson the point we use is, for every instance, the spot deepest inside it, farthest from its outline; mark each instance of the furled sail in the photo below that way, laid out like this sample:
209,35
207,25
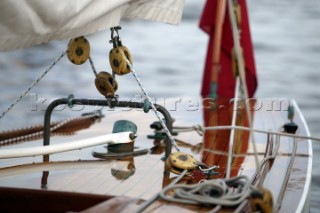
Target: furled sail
28,22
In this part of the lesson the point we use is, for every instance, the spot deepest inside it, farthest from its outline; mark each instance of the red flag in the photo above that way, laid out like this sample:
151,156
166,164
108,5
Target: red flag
225,85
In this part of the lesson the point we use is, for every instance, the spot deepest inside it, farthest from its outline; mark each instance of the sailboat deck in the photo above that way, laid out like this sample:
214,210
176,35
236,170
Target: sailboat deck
77,171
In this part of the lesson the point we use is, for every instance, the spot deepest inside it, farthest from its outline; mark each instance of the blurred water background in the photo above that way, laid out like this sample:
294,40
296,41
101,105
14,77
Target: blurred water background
170,60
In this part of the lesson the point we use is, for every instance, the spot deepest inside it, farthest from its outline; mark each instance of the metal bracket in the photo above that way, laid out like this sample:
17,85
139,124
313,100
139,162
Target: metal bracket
107,103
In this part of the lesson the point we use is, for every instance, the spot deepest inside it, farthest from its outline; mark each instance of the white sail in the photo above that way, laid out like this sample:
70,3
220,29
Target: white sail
28,22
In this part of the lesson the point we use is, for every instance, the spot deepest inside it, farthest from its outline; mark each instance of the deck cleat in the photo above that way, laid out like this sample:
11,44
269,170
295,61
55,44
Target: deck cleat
106,84
179,161
78,50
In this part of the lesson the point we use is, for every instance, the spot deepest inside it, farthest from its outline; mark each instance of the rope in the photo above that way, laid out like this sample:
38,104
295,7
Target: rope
40,133
264,160
219,192
153,107
155,197
32,85
288,172
92,66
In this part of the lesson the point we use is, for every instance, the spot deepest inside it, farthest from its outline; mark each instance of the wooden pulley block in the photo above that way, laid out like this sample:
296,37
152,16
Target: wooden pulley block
263,203
106,84
78,50
178,162
118,60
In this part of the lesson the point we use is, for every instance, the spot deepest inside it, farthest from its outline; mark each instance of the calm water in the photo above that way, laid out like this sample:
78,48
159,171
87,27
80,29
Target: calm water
170,59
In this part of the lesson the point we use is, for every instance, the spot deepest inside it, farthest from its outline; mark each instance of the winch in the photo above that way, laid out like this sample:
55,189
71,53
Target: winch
179,161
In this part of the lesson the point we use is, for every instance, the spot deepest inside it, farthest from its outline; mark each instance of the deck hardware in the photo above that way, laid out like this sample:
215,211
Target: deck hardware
290,127
146,105
104,102
117,60
119,54
261,201
209,170
78,50
106,84
122,150
115,39
156,125
179,161
160,135
124,126
203,172
70,97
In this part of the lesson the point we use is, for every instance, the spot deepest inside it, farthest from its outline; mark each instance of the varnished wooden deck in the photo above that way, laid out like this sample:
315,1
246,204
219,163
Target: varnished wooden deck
77,171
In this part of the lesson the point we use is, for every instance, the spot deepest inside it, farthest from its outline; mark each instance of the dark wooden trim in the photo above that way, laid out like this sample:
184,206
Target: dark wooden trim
31,200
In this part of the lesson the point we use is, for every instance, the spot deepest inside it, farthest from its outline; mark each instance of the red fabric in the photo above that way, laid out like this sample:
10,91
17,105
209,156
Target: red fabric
226,81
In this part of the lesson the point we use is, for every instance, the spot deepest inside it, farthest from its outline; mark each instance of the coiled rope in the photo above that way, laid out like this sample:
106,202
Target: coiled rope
219,192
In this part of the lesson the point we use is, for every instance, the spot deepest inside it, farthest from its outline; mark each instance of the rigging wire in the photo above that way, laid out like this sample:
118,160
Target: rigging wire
241,69
173,142
261,131
232,134
92,66
201,129
287,176
33,84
